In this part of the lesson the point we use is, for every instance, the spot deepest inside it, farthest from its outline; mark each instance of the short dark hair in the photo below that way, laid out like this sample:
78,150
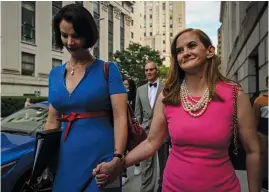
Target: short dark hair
83,23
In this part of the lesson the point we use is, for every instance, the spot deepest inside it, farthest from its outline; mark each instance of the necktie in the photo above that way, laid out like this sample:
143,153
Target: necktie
153,84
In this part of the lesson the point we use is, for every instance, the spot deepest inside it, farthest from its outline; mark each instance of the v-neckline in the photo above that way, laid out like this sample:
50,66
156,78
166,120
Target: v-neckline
87,69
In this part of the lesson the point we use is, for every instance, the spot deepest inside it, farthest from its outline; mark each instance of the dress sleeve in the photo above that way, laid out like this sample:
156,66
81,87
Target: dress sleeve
115,82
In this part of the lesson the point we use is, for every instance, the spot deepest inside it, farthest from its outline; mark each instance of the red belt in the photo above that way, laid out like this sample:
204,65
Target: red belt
74,116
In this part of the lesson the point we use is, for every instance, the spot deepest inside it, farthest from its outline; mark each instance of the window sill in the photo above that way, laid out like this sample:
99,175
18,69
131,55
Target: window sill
28,43
57,50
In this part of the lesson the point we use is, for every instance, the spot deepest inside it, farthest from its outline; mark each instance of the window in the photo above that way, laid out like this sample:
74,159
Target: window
163,41
132,9
171,25
27,64
150,16
56,6
132,35
171,17
79,2
110,32
27,120
171,34
150,25
28,21
96,16
150,33
145,34
163,51
56,62
132,22
163,6
122,32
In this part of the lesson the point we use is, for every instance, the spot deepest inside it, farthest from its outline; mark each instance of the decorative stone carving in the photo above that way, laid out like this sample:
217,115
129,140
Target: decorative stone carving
117,12
105,5
128,20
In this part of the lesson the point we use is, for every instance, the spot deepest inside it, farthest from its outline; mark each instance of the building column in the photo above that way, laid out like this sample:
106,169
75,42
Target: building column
127,32
116,29
167,26
10,39
43,38
103,46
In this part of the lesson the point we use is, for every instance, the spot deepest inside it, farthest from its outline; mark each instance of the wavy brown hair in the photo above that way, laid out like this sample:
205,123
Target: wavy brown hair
176,75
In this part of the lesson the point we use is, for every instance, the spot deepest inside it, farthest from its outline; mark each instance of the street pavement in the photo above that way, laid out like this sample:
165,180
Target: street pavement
134,183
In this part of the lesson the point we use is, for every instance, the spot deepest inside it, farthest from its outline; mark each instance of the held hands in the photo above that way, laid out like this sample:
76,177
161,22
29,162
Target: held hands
108,172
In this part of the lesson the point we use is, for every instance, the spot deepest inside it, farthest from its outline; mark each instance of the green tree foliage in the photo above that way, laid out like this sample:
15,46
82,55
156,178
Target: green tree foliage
131,62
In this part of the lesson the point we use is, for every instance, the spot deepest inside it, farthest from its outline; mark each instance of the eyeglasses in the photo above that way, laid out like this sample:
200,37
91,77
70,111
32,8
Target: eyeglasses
150,69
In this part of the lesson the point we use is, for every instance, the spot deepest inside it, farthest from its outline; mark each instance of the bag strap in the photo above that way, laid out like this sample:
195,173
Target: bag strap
106,69
235,128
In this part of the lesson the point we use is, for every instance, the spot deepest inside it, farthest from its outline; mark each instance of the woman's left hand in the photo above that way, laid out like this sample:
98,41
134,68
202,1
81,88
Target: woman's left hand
108,172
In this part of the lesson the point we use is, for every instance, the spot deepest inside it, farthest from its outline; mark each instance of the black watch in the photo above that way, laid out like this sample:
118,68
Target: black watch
120,156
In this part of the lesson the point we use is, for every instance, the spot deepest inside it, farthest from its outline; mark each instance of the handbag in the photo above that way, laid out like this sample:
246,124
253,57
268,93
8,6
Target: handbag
237,153
136,134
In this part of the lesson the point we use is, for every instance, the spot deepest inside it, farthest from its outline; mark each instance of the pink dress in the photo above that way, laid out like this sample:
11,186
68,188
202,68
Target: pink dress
198,160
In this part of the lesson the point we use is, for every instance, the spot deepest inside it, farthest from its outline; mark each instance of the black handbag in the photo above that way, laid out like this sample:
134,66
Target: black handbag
236,151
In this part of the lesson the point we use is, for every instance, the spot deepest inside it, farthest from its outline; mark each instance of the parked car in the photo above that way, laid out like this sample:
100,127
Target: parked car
18,132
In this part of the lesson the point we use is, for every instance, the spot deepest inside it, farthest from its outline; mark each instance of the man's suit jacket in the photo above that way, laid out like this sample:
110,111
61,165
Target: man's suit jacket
143,110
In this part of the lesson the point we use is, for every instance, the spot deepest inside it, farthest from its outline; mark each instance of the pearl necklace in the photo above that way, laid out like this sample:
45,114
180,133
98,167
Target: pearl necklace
199,107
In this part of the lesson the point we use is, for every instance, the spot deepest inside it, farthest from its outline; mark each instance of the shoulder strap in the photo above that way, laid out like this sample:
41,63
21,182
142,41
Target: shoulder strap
235,129
106,69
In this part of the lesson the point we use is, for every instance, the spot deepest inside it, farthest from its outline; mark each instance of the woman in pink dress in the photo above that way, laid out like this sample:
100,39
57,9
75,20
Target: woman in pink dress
196,107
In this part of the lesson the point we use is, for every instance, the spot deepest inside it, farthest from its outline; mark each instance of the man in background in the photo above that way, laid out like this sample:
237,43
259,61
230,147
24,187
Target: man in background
145,101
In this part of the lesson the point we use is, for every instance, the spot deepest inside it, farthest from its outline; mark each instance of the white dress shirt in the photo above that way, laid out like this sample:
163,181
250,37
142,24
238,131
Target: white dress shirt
152,91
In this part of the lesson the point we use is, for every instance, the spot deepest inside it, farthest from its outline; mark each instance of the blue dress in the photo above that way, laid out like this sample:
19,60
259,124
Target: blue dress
90,141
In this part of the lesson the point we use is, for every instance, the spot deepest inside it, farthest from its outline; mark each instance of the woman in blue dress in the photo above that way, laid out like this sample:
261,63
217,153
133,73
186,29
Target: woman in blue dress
82,97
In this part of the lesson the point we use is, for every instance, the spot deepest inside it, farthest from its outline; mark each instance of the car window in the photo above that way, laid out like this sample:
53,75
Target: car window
26,120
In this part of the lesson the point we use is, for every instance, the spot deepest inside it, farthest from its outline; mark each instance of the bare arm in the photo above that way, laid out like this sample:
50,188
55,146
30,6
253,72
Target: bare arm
257,113
52,122
119,107
138,108
157,133
249,138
